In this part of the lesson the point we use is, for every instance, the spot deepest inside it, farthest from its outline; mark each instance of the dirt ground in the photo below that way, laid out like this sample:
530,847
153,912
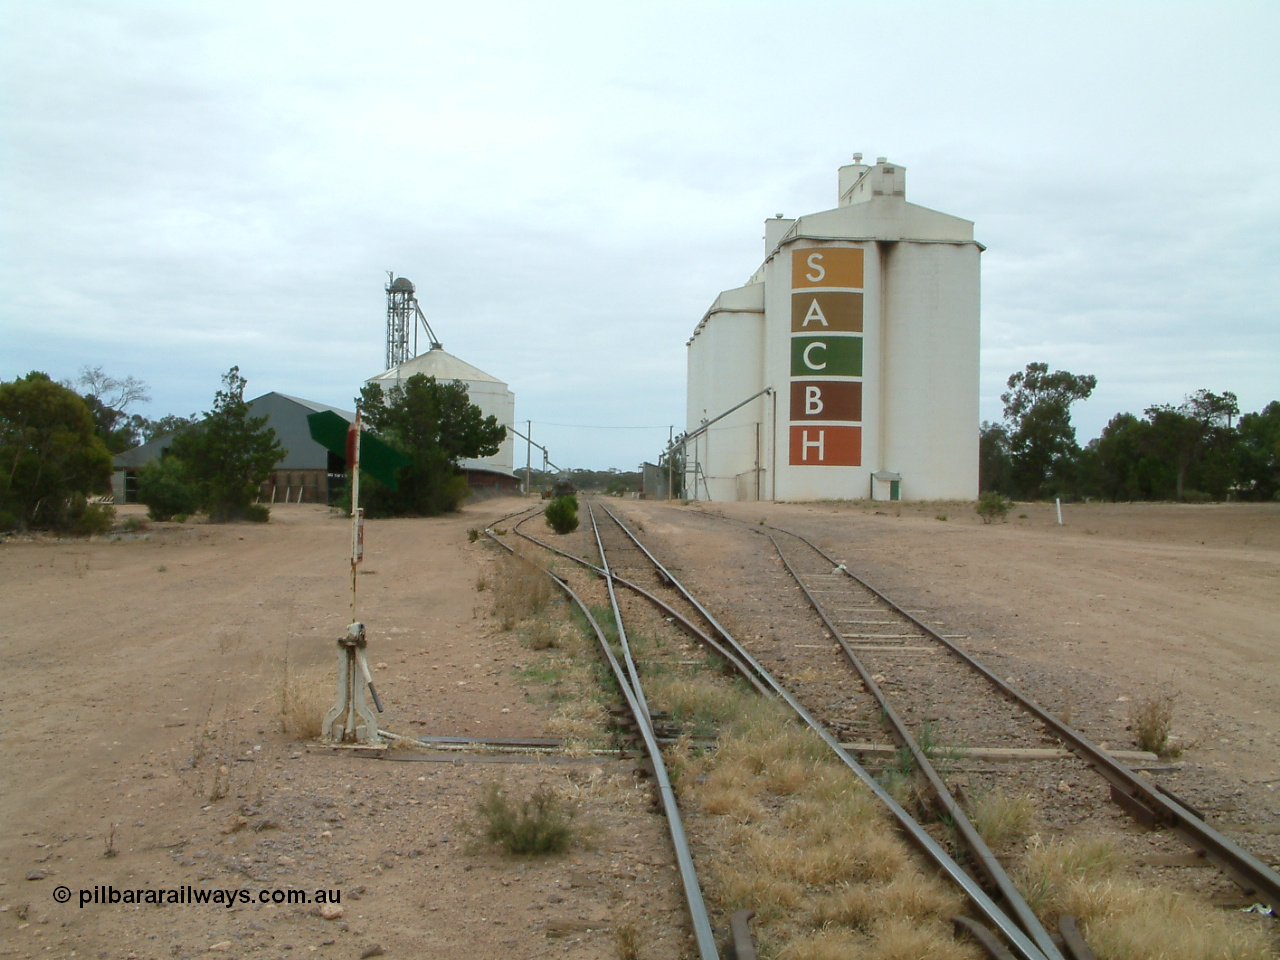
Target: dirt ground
143,746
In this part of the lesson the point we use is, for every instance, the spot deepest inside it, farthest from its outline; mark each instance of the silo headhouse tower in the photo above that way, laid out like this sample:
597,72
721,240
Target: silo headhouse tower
847,366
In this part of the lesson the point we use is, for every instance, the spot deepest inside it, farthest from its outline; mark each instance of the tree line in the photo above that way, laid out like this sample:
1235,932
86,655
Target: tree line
57,441
1199,450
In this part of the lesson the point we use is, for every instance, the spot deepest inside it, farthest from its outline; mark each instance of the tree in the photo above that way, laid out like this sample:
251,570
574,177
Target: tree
436,425
1259,448
994,463
148,430
229,453
1123,464
51,457
1042,441
1197,440
108,400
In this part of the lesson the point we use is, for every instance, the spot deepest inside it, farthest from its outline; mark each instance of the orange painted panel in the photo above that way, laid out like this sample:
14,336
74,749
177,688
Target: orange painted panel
825,446
826,267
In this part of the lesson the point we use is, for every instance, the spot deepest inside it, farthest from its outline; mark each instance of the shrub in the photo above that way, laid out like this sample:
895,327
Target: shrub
89,519
1152,718
167,489
562,514
992,506
257,513
540,824
53,458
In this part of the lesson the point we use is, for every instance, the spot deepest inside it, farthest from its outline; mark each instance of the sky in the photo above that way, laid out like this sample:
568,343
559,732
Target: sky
185,186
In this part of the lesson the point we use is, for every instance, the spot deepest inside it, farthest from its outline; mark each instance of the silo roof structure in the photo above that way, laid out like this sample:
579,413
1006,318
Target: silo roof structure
486,391
435,363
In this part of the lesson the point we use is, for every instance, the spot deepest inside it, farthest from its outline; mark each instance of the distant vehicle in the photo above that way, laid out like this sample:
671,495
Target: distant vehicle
561,488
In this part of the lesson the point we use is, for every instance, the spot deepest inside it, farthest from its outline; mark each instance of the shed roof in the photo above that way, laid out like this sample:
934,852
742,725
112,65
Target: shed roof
285,414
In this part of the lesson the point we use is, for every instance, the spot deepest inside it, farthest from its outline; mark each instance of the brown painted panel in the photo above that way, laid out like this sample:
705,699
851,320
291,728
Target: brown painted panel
826,310
826,400
826,267
825,446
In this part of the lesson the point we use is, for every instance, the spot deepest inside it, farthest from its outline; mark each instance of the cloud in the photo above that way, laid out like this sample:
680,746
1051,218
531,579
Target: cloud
569,185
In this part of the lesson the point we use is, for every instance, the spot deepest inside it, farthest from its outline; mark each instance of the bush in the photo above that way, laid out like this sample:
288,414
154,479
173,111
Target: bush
992,505
541,824
562,514
53,458
91,519
257,513
166,488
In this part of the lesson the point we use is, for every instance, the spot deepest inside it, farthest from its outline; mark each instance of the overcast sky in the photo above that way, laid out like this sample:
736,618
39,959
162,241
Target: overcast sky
188,186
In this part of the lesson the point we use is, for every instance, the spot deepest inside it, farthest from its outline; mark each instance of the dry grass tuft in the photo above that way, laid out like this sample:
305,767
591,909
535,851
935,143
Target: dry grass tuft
810,850
543,635
1002,820
304,700
1126,921
1152,719
698,700
627,940
519,591
907,897
901,939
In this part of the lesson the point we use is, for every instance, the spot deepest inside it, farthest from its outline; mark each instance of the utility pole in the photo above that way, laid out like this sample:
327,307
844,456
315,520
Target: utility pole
671,433
528,454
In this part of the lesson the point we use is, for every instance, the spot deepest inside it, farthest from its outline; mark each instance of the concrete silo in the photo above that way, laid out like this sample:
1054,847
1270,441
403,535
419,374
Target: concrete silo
855,345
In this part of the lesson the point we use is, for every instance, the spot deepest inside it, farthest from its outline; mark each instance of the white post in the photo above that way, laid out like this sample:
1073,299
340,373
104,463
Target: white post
357,524
1058,502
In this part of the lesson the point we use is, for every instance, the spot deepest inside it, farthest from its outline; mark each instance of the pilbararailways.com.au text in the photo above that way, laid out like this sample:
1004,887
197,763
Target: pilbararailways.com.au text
202,896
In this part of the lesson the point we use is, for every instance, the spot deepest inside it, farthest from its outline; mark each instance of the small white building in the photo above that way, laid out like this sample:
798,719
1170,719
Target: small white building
487,392
847,366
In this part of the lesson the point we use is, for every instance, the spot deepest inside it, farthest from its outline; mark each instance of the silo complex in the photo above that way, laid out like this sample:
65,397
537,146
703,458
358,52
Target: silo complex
855,349
487,392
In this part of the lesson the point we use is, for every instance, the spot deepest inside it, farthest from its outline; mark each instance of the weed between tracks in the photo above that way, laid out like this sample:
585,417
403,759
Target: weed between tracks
1124,920
806,845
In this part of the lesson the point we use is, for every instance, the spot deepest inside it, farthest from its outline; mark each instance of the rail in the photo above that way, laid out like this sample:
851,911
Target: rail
703,933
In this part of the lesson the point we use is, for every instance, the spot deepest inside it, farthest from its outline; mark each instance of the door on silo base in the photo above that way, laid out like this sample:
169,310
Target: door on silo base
886,485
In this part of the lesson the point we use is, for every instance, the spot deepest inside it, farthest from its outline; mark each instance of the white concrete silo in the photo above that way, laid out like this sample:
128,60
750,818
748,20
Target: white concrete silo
868,319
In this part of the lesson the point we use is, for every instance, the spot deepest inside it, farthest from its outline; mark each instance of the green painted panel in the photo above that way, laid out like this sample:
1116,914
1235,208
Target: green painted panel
830,356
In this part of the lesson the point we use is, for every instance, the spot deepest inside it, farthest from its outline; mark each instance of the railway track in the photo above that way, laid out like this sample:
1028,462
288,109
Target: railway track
879,638
900,664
